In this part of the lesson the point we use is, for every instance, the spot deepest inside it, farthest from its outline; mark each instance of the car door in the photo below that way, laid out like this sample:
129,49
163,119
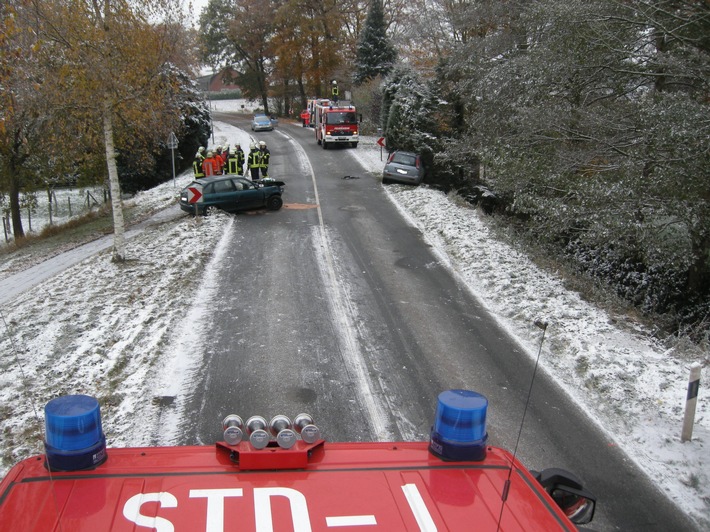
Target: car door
249,195
223,194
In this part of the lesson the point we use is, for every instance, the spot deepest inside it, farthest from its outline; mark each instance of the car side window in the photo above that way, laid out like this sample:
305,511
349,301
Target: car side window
243,184
208,189
225,185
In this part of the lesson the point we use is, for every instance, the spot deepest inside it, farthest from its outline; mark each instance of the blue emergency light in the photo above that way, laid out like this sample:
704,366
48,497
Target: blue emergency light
74,436
459,431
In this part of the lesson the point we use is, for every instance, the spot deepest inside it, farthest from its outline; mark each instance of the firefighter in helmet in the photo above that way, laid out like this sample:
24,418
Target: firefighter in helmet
265,155
219,158
254,161
231,166
197,163
211,165
239,153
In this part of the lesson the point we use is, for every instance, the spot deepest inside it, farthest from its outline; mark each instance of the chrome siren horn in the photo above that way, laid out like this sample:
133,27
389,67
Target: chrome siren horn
306,428
281,427
256,429
233,428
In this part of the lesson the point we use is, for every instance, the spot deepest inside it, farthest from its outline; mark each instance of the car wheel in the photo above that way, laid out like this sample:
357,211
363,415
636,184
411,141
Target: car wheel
209,210
325,146
274,203
353,144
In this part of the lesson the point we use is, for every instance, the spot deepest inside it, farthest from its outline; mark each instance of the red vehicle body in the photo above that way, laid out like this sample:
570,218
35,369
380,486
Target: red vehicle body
283,483
390,486
336,123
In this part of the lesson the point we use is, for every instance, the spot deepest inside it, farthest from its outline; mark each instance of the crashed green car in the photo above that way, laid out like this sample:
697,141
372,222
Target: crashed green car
231,193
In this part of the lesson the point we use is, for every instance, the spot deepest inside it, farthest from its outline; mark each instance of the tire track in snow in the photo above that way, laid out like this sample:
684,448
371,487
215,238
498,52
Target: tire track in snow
343,322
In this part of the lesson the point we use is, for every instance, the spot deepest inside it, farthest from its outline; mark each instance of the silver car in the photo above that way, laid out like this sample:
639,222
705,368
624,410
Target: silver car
262,123
403,167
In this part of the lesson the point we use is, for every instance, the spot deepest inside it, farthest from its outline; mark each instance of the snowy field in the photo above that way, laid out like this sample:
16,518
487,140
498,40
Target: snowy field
104,329
67,203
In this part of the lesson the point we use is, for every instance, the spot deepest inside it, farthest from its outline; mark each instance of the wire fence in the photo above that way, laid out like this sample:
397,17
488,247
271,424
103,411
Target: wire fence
54,206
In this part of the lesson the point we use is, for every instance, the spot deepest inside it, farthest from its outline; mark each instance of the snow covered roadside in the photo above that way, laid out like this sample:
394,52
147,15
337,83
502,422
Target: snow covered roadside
631,384
104,329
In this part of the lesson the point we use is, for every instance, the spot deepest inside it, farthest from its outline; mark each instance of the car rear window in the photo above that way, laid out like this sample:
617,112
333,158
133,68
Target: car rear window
404,158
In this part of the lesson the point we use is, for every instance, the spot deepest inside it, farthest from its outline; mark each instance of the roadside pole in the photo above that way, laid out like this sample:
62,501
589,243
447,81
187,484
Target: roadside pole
691,402
381,142
172,144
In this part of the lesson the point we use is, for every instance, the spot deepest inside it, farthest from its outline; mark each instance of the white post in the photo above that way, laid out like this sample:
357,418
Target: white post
172,152
691,402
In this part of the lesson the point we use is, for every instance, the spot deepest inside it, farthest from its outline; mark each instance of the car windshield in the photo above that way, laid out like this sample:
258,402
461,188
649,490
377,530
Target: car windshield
346,117
405,158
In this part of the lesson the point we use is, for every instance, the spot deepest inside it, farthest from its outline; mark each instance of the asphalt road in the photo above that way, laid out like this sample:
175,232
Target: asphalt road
336,306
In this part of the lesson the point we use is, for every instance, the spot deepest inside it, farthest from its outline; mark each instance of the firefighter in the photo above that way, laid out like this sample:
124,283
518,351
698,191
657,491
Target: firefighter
265,155
239,154
254,161
197,163
233,166
211,165
219,157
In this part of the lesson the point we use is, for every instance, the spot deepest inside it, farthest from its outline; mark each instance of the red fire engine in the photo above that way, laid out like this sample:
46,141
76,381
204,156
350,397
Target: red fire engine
335,123
281,475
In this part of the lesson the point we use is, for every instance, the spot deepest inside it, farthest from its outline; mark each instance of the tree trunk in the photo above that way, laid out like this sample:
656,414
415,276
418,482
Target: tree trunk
119,240
14,193
699,272
302,93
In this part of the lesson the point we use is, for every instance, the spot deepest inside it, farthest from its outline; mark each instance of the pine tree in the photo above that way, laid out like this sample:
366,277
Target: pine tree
375,53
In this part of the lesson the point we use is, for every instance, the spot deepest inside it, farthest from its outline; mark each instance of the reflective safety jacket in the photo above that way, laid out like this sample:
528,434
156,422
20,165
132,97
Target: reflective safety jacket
233,166
254,159
265,155
212,166
197,167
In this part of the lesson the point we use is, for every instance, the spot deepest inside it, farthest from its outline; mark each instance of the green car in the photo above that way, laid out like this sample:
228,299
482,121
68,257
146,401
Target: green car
231,193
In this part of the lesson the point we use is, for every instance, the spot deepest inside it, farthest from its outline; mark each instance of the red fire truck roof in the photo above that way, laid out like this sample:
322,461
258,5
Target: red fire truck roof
318,486
280,475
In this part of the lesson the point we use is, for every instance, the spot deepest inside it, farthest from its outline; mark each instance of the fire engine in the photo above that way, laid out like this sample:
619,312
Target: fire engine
335,123
282,475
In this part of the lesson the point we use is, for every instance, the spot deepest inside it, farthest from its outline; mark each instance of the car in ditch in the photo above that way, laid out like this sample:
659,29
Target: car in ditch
231,193
403,167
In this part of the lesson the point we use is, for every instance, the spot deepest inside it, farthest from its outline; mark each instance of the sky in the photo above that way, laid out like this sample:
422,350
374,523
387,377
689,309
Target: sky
197,6
91,326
